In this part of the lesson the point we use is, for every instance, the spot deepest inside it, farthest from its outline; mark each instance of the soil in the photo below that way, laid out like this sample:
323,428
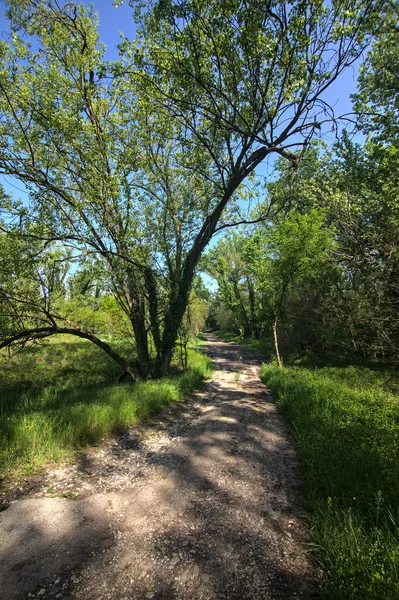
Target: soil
201,503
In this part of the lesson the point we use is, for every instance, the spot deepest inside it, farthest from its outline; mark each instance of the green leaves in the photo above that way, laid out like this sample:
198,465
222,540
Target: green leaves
377,98
140,161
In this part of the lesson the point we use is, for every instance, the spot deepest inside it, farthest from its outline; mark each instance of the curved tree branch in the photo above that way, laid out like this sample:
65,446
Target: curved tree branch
43,332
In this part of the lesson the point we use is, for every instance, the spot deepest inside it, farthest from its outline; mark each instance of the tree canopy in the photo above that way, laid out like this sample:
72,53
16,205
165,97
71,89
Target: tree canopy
137,163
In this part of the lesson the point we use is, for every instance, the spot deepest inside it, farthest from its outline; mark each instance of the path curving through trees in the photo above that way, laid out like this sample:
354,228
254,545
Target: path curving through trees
202,503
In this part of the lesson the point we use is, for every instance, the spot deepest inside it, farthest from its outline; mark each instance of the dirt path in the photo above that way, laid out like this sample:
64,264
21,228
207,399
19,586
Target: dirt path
202,504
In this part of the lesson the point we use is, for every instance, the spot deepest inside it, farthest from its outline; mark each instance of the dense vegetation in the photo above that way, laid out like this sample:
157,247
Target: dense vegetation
140,173
315,288
324,273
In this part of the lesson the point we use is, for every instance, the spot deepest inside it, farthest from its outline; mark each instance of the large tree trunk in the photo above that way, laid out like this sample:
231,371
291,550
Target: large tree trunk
140,333
153,310
173,319
178,304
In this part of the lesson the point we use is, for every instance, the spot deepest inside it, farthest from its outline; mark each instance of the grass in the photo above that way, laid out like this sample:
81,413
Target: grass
62,396
346,425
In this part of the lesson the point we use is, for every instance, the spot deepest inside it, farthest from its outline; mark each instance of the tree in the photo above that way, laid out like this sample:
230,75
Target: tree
141,161
286,255
353,301
32,296
377,98
366,215
226,263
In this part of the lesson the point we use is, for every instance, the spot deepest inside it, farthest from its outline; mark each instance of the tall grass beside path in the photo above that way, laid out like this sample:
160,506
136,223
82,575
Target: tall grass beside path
347,431
62,397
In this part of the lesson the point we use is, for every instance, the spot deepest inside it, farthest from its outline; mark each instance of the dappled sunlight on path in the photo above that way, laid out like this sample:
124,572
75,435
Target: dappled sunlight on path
212,511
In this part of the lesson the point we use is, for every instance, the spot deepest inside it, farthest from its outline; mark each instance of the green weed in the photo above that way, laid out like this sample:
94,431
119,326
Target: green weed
346,427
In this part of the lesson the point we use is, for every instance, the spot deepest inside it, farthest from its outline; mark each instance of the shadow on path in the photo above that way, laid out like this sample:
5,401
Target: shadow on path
213,514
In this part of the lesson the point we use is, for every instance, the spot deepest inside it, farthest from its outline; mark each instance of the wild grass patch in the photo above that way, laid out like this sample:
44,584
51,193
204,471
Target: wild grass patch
64,396
346,426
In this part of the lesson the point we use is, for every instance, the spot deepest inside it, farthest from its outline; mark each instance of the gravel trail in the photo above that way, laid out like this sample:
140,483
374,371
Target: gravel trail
201,503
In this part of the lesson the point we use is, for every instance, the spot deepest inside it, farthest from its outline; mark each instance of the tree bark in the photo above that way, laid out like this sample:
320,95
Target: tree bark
178,304
279,361
137,319
251,296
153,309
173,318
242,310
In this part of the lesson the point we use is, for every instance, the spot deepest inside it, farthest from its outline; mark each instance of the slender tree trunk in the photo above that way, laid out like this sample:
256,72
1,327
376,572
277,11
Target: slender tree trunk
243,311
279,362
251,295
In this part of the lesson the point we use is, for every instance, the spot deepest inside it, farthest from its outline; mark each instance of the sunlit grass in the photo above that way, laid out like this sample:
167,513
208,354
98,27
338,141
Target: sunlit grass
346,425
59,398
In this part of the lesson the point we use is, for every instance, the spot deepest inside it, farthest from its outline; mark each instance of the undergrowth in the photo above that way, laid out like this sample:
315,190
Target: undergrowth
346,425
58,398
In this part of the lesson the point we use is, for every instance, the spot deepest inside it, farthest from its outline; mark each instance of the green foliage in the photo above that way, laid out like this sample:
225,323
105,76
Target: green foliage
227,263
258,273
291,251
223,63
140,161
58,398
101,315
363,205
346,427
376,100
262,347
192,323
328,266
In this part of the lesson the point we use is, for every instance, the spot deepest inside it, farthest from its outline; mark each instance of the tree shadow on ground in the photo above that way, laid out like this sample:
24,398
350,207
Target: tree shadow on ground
217,516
